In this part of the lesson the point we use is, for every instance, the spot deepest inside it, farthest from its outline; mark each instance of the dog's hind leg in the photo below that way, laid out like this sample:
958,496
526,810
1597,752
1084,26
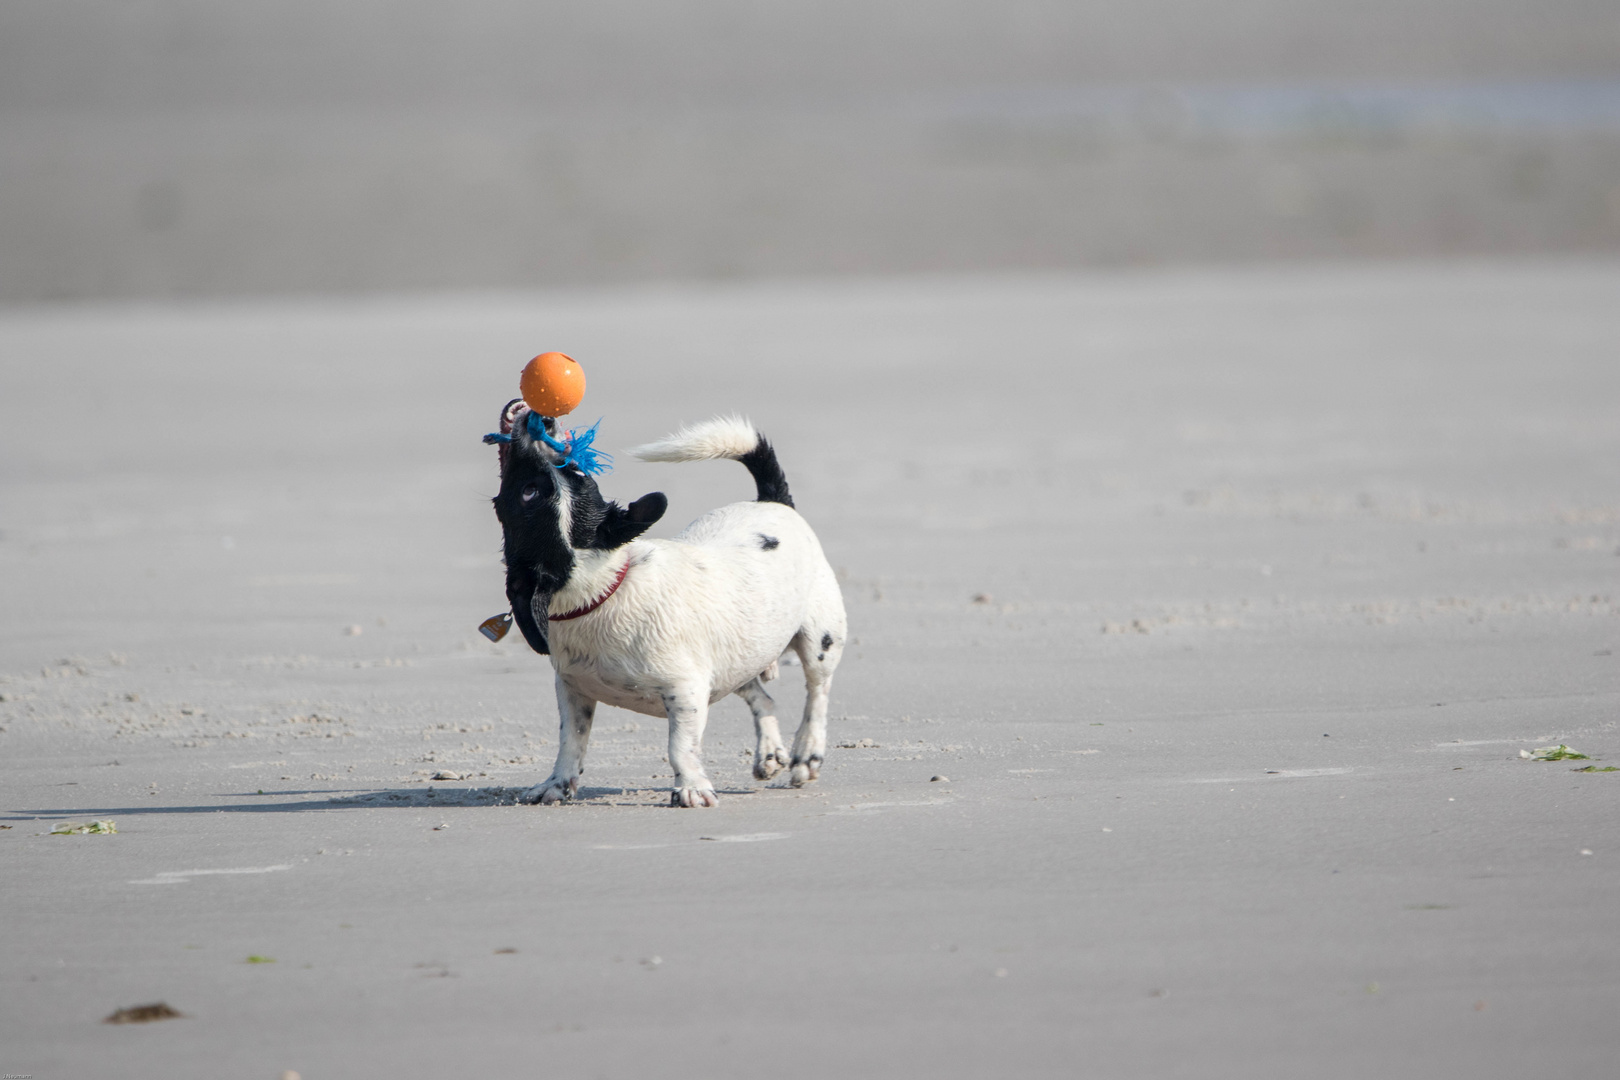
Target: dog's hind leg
770,753
575,713
688,710
819,651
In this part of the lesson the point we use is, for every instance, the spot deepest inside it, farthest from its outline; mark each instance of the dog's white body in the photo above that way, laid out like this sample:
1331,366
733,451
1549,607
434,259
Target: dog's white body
693,619
711,600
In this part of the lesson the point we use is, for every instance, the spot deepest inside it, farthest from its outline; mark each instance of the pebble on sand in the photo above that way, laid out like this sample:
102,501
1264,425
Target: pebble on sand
144,1014
939,779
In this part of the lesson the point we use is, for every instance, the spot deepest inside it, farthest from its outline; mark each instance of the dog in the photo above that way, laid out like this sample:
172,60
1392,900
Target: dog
667,627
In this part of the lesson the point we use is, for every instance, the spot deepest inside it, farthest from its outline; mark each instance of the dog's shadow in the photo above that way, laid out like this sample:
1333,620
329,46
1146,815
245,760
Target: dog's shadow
439,796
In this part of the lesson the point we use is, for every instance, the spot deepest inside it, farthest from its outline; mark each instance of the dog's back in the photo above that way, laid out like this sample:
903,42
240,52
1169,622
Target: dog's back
755,567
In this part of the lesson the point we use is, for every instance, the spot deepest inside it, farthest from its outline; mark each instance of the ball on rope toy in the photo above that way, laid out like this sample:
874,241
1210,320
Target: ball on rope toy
553,384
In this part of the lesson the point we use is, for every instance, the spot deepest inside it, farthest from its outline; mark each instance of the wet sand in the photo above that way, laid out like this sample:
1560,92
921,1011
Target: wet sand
1226,601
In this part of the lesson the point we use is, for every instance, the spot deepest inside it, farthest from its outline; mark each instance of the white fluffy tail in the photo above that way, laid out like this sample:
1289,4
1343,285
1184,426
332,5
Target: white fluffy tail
723,437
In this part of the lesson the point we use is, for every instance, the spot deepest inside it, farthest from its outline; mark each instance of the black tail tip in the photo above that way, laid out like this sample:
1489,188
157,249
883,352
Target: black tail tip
769,479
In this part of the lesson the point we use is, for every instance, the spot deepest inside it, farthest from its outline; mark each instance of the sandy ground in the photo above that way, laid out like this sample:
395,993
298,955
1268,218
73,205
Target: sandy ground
1277,572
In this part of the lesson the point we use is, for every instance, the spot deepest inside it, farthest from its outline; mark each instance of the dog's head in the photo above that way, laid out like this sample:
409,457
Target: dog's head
549,510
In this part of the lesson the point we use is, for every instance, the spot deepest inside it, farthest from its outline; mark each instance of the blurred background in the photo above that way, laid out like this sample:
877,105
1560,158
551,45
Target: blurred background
160,149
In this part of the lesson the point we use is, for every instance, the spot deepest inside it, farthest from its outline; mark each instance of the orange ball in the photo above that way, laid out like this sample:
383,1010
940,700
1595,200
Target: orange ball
553,384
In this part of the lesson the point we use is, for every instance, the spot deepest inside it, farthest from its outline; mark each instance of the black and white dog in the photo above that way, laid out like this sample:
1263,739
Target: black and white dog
668,627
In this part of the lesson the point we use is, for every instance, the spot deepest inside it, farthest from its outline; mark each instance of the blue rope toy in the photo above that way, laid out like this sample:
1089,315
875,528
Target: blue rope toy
576,449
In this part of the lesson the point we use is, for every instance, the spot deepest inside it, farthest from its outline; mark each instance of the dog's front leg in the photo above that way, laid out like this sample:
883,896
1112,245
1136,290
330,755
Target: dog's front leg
575,713
688,709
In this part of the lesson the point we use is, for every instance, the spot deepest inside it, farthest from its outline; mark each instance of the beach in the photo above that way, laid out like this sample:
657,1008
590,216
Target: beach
1201,620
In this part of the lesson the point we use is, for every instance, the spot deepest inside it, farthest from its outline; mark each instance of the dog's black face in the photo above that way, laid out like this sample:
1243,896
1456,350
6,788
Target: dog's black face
546,515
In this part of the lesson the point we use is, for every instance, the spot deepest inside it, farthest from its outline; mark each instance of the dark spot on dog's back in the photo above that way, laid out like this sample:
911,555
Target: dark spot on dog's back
767,543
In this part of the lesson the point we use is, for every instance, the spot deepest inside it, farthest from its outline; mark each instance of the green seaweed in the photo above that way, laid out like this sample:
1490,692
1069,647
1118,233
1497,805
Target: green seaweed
91,828
256,959
1556,753
1594,768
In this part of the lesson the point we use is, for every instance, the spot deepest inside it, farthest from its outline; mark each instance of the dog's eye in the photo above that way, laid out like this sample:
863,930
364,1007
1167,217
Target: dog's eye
529,492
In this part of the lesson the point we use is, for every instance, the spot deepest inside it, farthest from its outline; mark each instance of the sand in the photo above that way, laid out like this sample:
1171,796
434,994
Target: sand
1225,600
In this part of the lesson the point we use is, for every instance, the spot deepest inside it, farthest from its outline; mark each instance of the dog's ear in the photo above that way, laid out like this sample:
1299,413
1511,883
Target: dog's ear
620,525
527,599
647,509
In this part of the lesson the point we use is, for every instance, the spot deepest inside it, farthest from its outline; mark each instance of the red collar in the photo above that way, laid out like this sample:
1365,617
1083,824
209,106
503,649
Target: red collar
598,602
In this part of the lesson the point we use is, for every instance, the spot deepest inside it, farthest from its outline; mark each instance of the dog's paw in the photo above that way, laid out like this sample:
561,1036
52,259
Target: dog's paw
768,763
552,791
805,771
694,796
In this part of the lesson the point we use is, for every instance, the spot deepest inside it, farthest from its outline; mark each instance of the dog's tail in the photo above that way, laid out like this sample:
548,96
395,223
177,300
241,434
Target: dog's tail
725,437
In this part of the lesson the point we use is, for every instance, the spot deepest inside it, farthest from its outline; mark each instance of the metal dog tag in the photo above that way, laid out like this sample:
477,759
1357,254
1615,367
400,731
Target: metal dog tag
496,626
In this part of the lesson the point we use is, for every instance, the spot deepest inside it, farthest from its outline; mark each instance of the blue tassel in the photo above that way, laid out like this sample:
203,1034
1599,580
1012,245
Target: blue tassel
576,448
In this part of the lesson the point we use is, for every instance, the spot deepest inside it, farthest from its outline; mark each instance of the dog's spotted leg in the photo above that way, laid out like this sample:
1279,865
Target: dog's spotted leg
819,655
575,713
688,709
770,753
